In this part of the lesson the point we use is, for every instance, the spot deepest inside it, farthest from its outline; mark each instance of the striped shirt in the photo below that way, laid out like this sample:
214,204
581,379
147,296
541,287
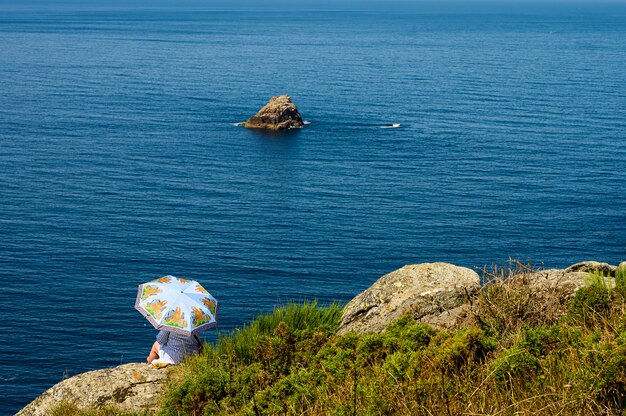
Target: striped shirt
176,345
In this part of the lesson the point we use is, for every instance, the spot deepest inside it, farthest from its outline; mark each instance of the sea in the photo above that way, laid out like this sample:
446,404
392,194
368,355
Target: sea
469,133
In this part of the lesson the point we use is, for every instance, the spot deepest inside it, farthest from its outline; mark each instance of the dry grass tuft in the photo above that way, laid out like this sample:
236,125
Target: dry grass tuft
512,298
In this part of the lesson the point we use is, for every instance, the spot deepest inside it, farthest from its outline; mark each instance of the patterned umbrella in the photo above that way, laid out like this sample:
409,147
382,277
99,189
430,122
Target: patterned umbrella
177,305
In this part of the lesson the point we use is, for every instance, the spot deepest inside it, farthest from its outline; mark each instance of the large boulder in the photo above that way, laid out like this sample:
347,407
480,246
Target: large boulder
280,113
590,265
433,293
134,387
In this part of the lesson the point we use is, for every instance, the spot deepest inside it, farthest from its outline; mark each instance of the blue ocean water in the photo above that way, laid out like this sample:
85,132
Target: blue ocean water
120,161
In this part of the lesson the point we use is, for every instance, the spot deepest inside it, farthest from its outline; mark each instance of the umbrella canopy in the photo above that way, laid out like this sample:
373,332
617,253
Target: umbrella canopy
177,305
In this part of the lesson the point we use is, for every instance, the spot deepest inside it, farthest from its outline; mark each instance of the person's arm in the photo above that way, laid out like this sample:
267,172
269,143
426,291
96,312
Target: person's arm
161,339
154,352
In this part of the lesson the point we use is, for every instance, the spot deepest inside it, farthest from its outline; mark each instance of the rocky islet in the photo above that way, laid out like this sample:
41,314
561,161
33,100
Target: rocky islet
280,113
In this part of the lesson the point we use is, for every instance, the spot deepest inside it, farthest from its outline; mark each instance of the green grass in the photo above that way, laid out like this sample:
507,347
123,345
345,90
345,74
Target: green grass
528,352
303,319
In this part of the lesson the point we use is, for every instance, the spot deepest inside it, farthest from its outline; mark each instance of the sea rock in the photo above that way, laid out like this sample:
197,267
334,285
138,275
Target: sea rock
280,113
433,293
134,387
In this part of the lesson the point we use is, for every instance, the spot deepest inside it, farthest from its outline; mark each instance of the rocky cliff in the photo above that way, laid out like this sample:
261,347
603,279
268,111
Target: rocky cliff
442,295
280,113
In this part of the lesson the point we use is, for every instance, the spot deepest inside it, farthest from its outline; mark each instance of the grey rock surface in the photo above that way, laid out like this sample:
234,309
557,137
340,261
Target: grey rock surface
588,266
133,387
569,280
565,281
433,293
280,113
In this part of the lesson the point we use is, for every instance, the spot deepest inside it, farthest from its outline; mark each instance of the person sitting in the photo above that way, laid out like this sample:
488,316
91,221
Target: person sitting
172,348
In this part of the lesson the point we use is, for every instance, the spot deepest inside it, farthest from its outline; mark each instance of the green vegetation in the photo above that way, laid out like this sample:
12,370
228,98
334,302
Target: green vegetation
71,409
527,351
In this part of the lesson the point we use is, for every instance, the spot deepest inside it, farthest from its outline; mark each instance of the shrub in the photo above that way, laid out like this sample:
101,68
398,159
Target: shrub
373,348
540,341
197,393
466,346
516,365
408,334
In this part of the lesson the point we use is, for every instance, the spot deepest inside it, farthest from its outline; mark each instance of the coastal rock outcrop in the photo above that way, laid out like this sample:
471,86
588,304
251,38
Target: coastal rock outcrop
444,296
434,293
280,113
134,387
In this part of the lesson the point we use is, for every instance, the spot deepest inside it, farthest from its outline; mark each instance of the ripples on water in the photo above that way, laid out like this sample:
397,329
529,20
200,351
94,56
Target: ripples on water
120,161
